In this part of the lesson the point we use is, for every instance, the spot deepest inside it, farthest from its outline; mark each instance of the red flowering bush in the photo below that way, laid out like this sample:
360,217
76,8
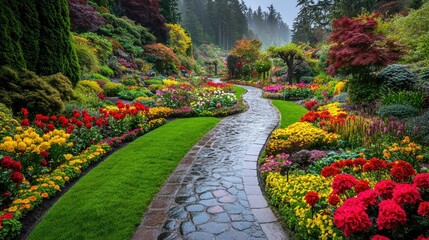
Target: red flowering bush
423,209
310,104
385,189
406,194
390,215
343,182
352,219
311,198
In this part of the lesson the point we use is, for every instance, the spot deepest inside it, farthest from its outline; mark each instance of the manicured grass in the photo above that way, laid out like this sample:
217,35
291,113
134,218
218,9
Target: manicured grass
290,112
239,91
109,202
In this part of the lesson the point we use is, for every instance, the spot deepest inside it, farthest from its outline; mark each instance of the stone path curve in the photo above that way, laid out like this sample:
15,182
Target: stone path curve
214,192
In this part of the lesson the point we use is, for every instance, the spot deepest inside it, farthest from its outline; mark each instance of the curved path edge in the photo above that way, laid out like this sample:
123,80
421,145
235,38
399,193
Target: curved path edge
156,214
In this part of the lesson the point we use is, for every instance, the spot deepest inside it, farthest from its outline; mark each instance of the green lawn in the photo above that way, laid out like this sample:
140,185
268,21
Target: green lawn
109,202
239,91
290,112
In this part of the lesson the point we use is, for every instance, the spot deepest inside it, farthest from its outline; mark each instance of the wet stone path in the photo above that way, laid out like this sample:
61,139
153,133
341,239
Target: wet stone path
214,192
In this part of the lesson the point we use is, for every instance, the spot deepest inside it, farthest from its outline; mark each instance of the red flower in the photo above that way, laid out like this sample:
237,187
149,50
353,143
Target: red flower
368,197
375,164
9,163
402,171
359,162
352,219
334,199
422,180
329,171
17,177
24,112
54,118
44,163
311,198
362,185
406,194
385,189
25,122
379,237
50,127
390,215
422,237
343,182
44,154
88,125
423,209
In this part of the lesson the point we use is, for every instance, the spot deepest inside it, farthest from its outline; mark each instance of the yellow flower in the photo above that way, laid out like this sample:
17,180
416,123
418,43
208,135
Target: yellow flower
13,209
25,201
68,156
17,201
419,157
66,178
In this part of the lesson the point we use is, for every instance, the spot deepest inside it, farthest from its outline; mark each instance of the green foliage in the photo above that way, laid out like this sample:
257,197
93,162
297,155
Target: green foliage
112,89
106,71
307,79
57,53
88,60
317,166
131,94
397,77
342,97
411,98
152,81
30,27
418,127
413,32
424,75
292,54
296,93
130,35
62,84
88,85
26,89
363,91
397,110
102,47
96,76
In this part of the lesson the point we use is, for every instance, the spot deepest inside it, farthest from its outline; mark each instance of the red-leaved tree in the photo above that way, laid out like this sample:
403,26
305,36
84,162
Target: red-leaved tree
83,17
146,13
358,47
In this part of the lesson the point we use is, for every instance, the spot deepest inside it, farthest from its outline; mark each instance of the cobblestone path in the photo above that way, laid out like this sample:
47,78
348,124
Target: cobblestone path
214,193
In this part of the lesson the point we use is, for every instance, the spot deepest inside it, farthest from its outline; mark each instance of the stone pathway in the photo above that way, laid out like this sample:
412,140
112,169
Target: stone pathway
214,193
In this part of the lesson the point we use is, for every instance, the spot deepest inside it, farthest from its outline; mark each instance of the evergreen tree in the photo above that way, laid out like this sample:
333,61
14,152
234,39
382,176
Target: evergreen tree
170,10
57,53
29,41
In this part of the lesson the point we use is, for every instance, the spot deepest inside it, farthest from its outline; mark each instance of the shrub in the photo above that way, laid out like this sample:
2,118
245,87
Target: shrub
89,85
410,98
162,56
131,94
129,80
27,90
307,79
83,17
96,76
106,71
342,98
62,84
397,77
111,89
397,110
363,91
418,127
101,46
424,75
88,60
152,81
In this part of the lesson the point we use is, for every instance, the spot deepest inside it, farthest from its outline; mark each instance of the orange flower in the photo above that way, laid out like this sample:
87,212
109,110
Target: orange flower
34,188
32,198
44,195
25,206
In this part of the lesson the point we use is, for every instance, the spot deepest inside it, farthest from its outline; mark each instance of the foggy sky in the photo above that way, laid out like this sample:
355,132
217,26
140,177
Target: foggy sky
287,8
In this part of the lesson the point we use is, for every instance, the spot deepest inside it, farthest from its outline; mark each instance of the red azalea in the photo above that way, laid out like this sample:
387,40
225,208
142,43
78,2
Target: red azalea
422,237
368,197
24,112
352,219
406,194
361,185
385,189
25,122
44,154
379,237
390,215
423,209
343,182
17,177
329,171
311,198
44,163
402,170
334,199
422,180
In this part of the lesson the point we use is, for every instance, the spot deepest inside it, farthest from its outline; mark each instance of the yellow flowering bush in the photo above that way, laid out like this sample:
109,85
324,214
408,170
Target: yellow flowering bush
405,150
158,112
170,82
300,135
7,123
333,108
339,88
288,196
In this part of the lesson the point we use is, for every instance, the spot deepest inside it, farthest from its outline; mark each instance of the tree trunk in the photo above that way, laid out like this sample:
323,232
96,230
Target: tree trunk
215,68
289,64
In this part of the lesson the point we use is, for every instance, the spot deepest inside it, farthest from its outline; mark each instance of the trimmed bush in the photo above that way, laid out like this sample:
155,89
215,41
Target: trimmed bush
88,60
27,90
62,84
411,98
106,71
397,110
397,77
131,94
89,85
112,89
424,75
96,76
152,81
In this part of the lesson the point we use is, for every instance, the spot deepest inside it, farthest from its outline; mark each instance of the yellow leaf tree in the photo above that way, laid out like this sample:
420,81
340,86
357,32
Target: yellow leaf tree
179,41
